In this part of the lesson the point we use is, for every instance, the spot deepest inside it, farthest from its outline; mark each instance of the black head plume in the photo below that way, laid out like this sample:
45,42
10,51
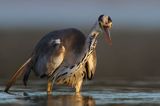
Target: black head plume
100,19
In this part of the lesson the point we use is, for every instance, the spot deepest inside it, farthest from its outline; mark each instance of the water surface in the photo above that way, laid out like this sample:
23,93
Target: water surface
93,94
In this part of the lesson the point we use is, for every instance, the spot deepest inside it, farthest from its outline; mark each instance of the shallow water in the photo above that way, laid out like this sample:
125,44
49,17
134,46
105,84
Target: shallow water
93,94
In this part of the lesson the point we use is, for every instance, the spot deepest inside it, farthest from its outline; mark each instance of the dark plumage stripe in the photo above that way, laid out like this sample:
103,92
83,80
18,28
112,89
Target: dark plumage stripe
26,76
88,72
61,75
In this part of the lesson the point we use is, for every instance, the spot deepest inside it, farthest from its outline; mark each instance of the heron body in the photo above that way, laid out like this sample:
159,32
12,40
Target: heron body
64,56
65,52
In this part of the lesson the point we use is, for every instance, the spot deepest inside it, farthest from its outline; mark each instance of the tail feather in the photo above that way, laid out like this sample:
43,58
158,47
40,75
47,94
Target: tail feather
18,73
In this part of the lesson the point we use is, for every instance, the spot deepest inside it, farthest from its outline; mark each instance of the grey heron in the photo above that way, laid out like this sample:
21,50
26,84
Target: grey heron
65,56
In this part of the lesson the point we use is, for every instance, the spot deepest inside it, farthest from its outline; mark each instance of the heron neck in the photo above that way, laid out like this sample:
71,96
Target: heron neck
90,44
91,40
95,30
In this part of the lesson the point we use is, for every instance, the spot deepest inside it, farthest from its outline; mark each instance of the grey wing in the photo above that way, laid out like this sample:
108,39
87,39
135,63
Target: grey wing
48,62
47,58
91,65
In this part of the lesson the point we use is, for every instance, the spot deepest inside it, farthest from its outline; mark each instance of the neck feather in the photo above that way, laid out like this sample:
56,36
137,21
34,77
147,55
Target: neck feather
95,30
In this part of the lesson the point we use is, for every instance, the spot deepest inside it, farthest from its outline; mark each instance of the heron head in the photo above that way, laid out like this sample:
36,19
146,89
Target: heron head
105,23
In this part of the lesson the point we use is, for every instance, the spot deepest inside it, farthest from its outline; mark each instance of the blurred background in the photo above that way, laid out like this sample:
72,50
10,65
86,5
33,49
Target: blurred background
135,54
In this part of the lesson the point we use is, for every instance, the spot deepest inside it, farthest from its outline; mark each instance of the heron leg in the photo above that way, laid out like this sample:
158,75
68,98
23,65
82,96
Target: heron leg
78,86
49,87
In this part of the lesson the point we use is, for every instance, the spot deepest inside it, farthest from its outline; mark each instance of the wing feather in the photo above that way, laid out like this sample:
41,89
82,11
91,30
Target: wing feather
49,61
18,73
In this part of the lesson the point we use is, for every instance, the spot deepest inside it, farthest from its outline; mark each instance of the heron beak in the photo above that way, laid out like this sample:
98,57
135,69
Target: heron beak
107,33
